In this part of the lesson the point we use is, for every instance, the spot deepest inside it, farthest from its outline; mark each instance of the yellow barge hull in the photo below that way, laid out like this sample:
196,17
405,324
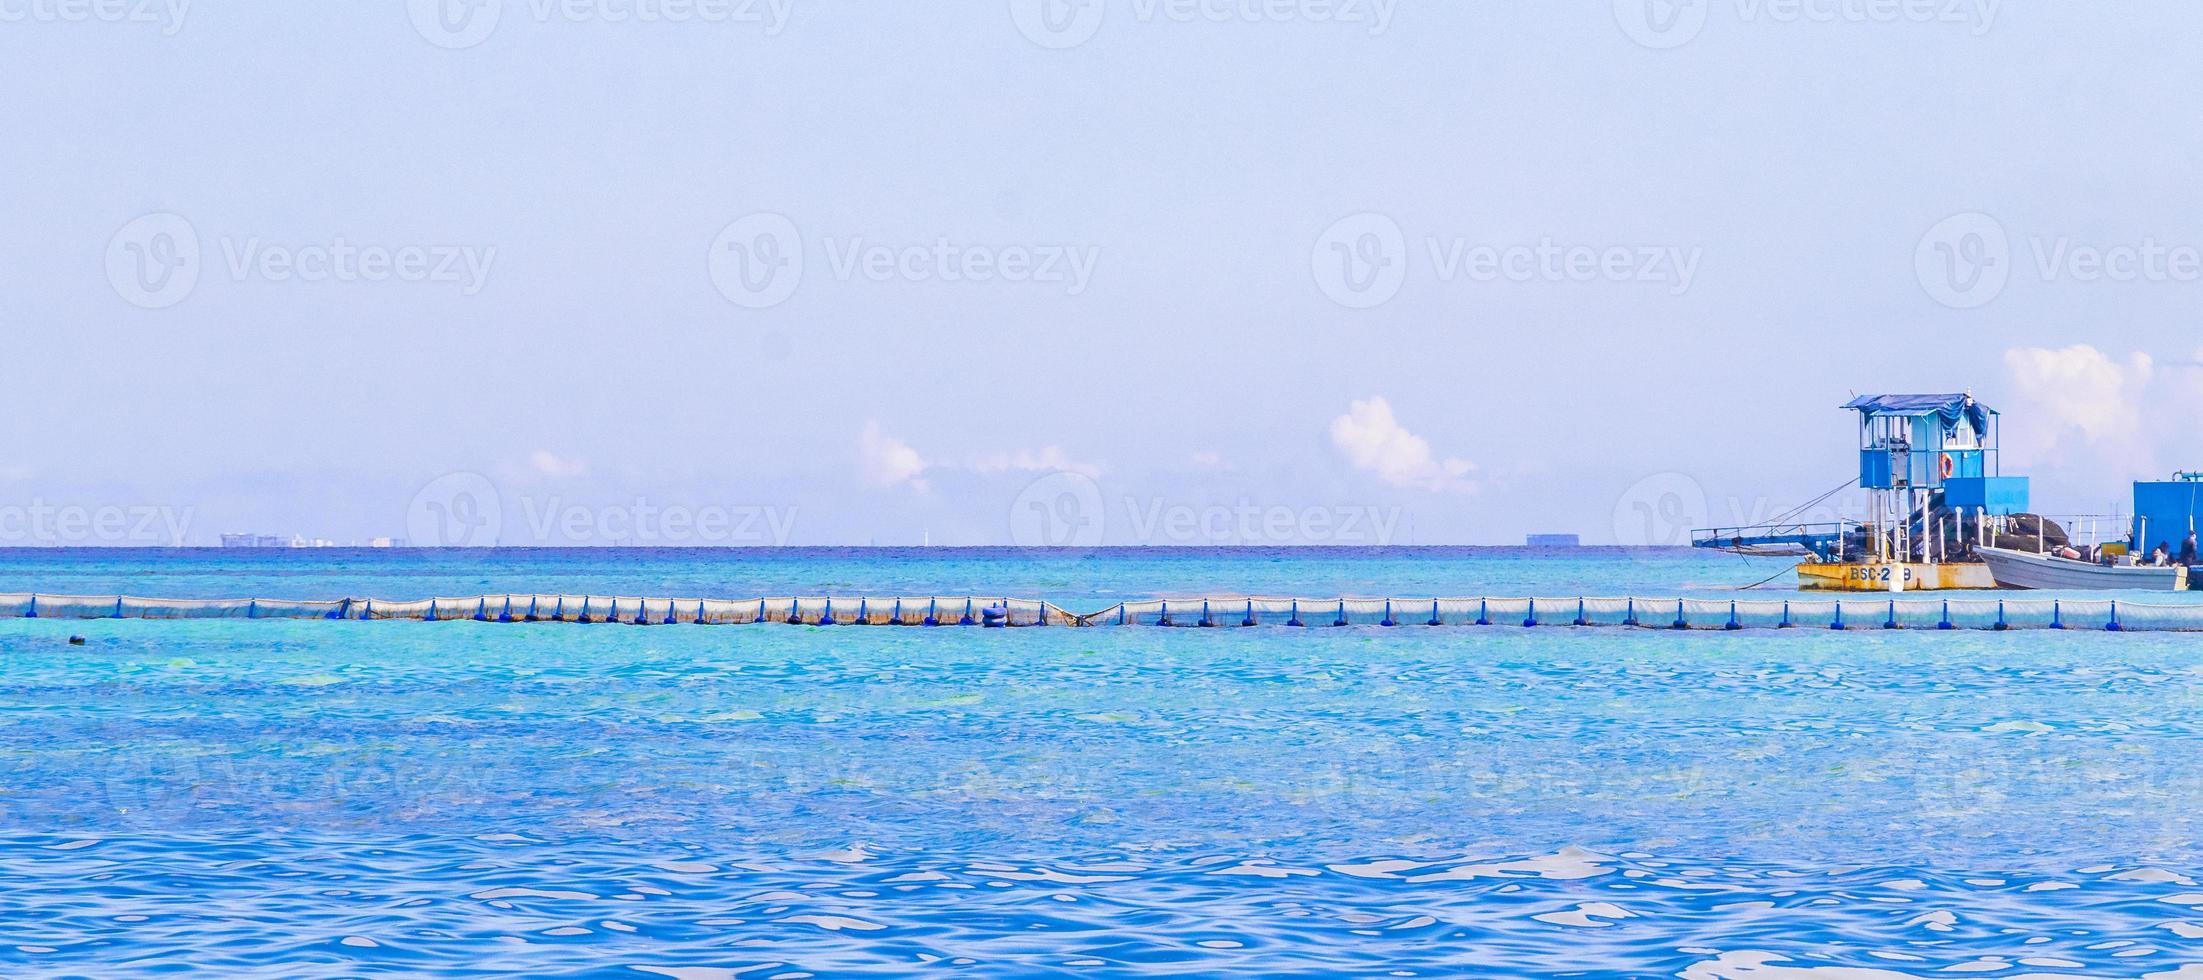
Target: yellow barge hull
1894,576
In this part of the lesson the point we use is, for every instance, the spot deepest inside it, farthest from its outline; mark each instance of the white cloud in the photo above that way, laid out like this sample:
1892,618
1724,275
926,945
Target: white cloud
2077,400
888,461
549,463
1049,460
1374,441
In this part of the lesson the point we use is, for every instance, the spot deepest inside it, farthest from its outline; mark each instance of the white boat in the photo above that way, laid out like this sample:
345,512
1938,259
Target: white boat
2025,570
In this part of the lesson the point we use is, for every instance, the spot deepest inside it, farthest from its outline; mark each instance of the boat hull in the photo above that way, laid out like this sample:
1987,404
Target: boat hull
1877,576
2021,570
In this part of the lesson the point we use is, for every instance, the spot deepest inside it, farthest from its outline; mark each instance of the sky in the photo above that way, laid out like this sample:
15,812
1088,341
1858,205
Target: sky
1072,272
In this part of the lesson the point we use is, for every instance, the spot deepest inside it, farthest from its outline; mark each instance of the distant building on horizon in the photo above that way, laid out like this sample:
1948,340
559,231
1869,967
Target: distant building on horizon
1555,541
253,541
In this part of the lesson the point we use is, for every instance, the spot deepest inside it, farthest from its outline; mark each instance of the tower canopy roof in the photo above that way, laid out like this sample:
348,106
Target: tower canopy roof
1950,407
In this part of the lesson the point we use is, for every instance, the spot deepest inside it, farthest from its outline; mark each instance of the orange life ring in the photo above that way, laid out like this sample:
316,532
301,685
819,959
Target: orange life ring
1949,466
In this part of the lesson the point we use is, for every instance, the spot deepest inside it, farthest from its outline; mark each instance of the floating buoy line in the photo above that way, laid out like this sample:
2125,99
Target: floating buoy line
2112,615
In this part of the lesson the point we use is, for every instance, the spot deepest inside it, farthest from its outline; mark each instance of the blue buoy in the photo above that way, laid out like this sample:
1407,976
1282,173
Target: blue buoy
2001,625
1631,619
996,616
1387,621
2057,615
2113,626
1681,622
967,620
1581,619
1434,618
1249,621
506,616
932,606
1206,622
1295,621
1946,624
1785,624
1483,612
1733,624
1530,621
1165,620
1891,623
1341,621
827,618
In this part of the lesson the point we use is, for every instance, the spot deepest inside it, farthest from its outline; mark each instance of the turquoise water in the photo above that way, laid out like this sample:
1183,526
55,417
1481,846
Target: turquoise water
343,798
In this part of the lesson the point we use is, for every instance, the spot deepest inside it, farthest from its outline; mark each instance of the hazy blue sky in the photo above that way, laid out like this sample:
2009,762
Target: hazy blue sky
1123,271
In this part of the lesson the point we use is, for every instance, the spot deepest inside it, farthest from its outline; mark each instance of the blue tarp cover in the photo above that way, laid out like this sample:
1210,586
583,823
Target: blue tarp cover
1950,407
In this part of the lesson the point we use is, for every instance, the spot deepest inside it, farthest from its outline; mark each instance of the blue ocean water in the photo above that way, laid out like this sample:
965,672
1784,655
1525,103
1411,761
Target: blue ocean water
289,798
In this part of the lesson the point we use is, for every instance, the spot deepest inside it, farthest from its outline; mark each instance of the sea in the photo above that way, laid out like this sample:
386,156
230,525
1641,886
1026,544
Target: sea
337,799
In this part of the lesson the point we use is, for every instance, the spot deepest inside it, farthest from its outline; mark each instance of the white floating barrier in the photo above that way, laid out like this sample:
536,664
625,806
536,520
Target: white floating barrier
1677,614
519,608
